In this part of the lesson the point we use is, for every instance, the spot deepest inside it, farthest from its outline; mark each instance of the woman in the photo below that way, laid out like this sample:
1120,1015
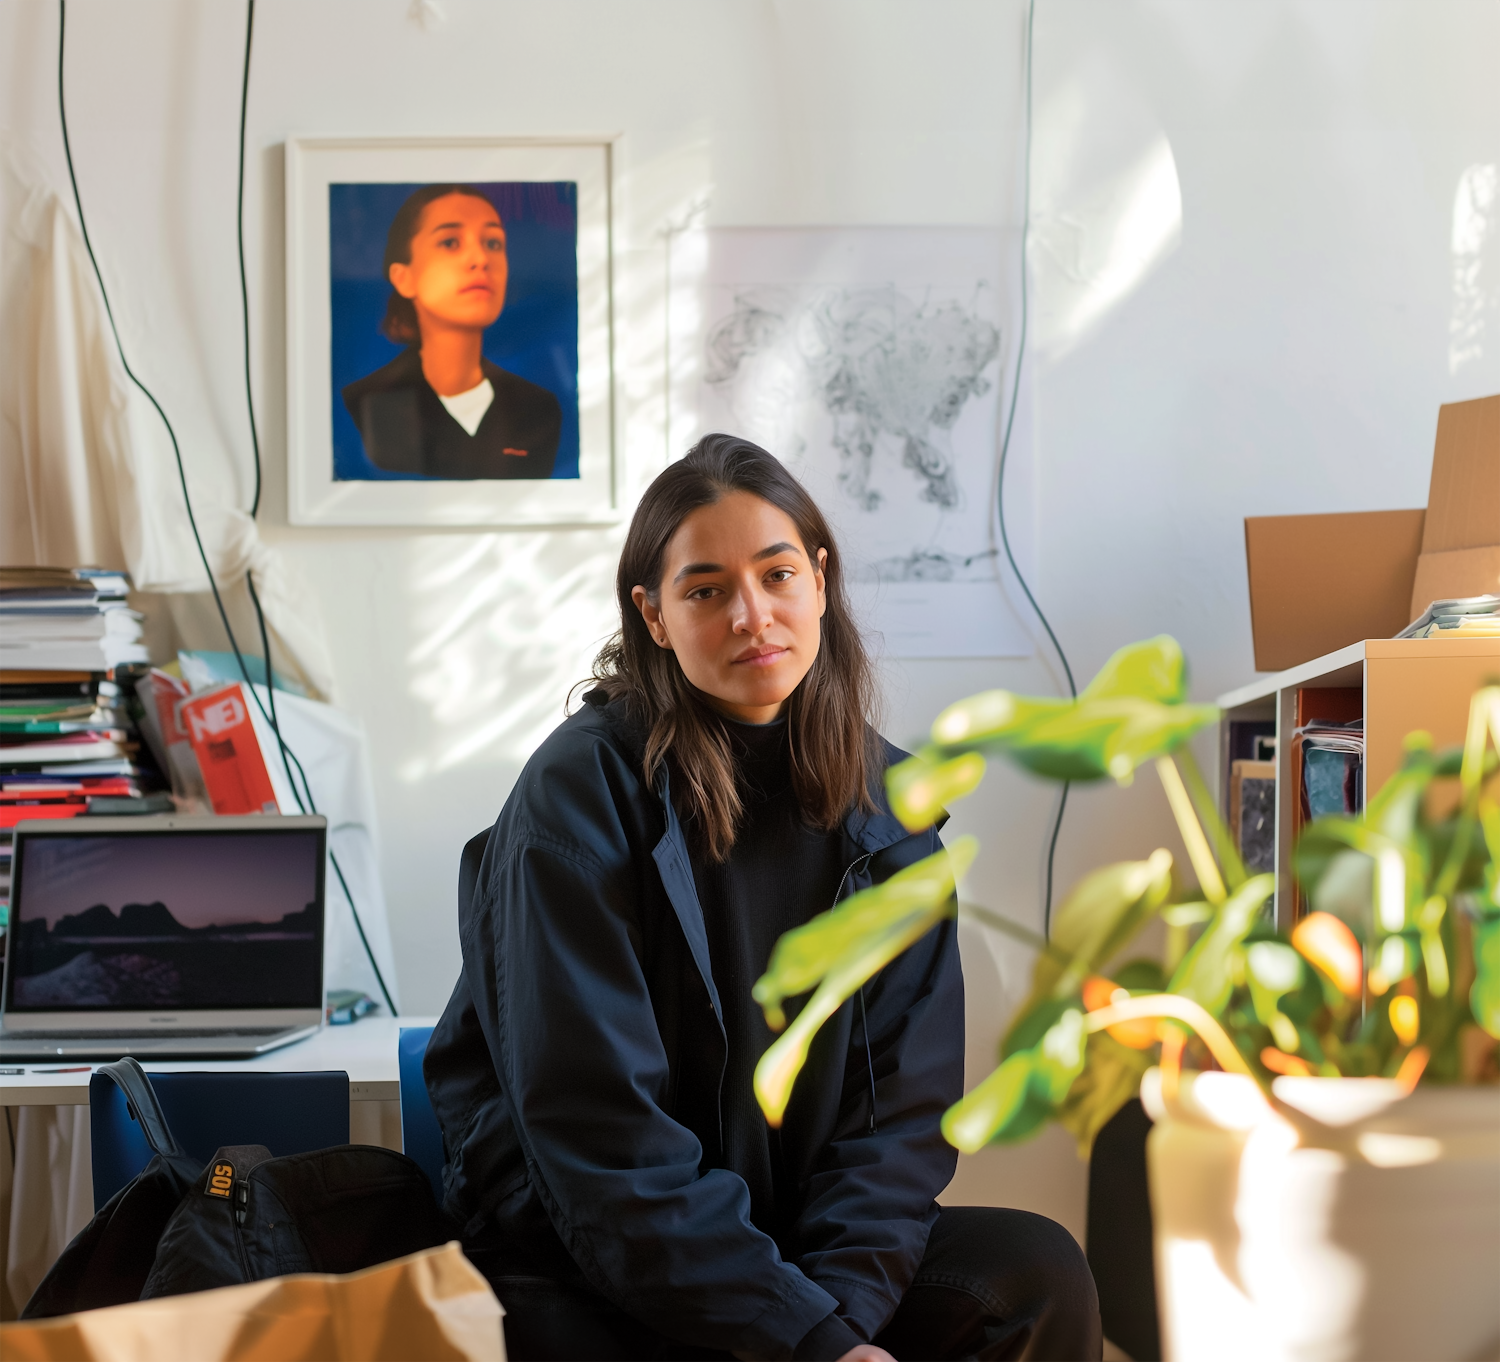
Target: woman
592,1073
440,408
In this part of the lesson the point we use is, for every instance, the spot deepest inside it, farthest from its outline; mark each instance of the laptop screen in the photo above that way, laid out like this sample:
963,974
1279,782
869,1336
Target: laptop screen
175,919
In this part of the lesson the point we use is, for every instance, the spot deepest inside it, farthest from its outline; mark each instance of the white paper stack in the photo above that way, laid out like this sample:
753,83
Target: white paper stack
62,619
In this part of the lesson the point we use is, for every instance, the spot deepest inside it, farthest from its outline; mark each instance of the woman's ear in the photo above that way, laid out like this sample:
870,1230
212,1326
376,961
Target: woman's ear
402,281
822,582
652,615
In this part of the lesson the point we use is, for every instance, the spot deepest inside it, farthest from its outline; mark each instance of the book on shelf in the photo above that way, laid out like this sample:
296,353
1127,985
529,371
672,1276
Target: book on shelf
1333,757
1252,813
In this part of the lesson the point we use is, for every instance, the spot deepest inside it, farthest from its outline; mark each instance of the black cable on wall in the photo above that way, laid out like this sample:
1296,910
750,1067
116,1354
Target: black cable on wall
1010,420
288,757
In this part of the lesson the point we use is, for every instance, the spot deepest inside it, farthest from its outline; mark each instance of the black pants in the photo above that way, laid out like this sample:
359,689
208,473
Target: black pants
992,1284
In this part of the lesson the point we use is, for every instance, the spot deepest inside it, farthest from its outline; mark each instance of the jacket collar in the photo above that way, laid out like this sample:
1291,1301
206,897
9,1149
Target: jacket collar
875,831
672,860
868,831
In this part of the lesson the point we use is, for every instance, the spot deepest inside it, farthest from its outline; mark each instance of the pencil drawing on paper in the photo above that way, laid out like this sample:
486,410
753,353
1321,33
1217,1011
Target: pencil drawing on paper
883,374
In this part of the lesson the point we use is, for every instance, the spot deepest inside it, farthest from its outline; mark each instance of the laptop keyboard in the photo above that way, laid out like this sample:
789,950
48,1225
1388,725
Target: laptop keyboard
138,1034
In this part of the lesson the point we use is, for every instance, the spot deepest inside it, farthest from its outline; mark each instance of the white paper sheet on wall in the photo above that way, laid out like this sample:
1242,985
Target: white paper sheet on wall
876,362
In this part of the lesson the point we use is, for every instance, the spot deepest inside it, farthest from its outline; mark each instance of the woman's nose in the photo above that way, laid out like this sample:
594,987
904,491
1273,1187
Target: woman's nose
752,611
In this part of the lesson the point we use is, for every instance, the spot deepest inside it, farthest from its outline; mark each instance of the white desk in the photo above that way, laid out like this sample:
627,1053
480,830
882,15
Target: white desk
365,1050
46,1182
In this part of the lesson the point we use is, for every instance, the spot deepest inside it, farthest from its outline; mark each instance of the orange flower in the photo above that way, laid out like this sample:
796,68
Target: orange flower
1101,992
1331,946
1412,1067
1406,1020
1279,1062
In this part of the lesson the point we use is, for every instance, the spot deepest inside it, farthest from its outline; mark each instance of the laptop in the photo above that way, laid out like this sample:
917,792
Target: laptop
164,937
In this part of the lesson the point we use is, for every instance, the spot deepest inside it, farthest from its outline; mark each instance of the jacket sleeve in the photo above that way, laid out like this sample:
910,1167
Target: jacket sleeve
870,1202
552,960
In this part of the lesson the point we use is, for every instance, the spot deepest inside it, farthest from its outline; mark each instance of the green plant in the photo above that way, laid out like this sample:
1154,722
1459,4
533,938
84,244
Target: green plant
1400,952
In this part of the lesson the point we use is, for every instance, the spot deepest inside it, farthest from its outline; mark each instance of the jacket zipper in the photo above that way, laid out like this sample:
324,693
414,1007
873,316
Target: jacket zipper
864,1017
241,1205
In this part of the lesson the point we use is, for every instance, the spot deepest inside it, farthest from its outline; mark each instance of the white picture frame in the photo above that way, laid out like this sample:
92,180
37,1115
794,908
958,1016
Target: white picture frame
320,494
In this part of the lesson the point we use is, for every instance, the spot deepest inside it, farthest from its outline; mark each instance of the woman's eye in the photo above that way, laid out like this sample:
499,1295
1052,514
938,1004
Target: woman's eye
496,244
701,593
780,575
448,243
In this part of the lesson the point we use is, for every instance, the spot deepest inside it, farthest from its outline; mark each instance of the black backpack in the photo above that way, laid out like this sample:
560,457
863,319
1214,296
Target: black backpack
180,1227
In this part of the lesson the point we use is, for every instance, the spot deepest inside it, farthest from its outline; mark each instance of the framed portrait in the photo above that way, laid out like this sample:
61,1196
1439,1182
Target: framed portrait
449,332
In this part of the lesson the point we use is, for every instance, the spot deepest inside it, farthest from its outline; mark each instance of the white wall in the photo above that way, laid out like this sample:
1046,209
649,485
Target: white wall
1244,282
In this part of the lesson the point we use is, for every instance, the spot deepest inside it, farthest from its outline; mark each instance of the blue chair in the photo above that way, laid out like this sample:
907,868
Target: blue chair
421,1136
288,1113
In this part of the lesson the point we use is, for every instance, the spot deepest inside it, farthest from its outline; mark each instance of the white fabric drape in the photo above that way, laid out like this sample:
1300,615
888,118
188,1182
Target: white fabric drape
87,474
88,477
331,746
51,1194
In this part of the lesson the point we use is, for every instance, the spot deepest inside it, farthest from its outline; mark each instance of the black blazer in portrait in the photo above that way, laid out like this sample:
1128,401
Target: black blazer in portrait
407,429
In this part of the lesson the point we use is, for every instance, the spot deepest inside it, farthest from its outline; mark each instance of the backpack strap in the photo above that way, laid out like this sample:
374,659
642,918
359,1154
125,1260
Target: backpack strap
131,1079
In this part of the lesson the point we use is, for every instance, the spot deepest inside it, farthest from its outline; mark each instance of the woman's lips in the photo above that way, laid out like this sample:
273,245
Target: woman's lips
761,657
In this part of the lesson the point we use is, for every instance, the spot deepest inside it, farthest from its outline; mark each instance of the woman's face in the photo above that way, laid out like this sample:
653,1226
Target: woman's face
458,270
740,604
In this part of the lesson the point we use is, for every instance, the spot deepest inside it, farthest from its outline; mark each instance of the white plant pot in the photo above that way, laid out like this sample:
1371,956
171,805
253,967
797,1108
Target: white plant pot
1339,1221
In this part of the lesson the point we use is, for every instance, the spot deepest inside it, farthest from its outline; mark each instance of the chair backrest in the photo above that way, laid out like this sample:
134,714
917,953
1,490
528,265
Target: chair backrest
421,1136
288,1113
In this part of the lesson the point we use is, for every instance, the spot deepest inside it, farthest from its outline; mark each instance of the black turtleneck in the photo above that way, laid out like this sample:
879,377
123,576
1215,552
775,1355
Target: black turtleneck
780,873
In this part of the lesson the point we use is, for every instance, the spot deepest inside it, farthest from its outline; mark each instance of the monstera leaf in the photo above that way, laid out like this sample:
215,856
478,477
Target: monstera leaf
838,951
1208,971
1045,1050
1090,926
1131,712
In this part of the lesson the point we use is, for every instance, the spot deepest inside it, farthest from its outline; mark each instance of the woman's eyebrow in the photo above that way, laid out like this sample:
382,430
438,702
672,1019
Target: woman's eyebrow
450,226
698,569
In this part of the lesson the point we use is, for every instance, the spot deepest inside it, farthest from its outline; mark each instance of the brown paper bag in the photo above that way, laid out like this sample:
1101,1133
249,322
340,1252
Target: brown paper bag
431,1305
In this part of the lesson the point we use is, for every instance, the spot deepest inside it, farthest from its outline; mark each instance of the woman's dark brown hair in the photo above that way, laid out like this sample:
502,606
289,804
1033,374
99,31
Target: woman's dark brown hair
833,748
400,321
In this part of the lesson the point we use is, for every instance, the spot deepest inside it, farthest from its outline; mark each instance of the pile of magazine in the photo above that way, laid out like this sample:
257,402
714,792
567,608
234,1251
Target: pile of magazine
1464,617
1333,759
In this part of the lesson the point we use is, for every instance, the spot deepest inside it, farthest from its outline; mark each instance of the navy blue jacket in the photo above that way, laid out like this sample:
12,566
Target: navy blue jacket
576,1071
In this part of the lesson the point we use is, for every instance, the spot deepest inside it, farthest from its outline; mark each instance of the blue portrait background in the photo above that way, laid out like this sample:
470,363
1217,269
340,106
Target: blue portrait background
536,336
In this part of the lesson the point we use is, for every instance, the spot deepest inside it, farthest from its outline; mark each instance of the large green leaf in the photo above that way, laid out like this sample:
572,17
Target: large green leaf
1130,713
838,951
1111,1077
1024,1091
1152,670
1484,994
1207,972
1104,911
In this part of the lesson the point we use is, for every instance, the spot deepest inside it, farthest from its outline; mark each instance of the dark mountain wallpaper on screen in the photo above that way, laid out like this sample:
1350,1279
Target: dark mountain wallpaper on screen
143,957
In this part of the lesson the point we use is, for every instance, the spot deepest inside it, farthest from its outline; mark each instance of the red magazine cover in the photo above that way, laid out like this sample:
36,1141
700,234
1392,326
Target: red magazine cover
234,771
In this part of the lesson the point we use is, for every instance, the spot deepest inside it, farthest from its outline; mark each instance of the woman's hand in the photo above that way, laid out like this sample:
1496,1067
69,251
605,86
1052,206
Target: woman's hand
867,1352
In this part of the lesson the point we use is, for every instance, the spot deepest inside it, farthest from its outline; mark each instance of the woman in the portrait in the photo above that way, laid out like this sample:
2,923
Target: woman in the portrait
441,409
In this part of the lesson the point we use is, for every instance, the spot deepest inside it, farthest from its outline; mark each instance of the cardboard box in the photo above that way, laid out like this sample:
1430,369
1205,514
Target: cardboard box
1461,536
1320,582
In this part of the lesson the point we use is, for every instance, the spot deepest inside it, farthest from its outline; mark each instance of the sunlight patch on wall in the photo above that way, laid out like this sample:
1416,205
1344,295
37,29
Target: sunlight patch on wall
1107,203
1475,245
503,626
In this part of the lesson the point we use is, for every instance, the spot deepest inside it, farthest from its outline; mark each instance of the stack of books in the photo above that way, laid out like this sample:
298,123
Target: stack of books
69,744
